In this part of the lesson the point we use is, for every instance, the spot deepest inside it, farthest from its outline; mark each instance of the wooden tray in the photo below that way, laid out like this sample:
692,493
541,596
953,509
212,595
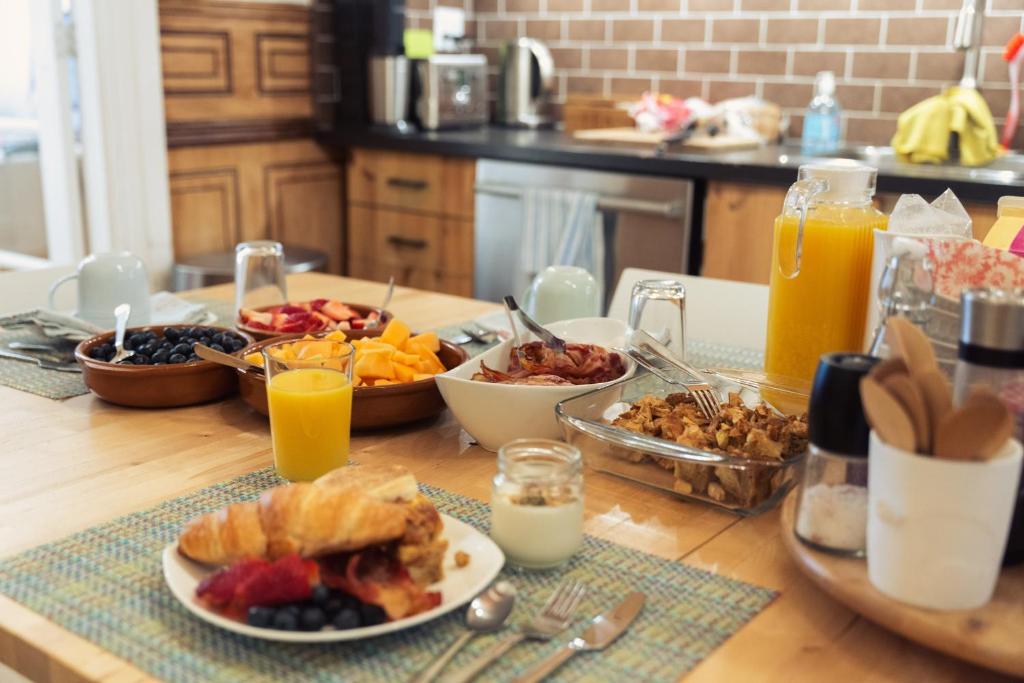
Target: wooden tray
633,136
991,636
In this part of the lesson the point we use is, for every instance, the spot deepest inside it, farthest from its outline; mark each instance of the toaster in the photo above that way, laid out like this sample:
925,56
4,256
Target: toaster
452,91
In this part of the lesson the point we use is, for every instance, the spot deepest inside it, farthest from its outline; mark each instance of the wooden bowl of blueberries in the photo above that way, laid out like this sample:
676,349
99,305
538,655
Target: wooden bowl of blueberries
164,372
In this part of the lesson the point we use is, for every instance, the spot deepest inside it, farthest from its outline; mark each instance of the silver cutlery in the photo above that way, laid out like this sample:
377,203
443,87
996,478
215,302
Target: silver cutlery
487,613
704,394
374,324
459,339
48,351
41,362
479,333
553,618
601,633
121,314
550,340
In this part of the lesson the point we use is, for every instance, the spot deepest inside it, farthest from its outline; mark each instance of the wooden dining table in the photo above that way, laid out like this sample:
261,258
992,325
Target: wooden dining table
69,465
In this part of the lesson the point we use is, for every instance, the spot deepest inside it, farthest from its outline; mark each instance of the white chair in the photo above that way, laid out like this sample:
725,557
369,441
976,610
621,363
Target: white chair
26,290
717,311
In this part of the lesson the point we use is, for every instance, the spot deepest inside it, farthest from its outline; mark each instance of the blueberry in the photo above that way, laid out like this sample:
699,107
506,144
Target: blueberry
346,619
285,620
333,605
217,347
97,353
372,614
193,356
176,358
218,338
312,619
166,345
149,349
140,359
182,349
320,595
172,334
161,356
261,617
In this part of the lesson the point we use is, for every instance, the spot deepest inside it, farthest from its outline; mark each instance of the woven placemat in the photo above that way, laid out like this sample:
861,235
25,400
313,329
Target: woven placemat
105,584
29,377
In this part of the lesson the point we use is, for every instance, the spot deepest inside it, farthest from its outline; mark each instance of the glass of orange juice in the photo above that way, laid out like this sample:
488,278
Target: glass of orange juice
309,393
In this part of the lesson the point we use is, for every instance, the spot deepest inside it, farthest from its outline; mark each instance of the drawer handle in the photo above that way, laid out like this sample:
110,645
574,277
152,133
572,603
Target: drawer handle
407,183
408,242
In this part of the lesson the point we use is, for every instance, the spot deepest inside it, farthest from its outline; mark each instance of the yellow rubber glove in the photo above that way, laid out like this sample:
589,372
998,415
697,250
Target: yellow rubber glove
972,120
922,132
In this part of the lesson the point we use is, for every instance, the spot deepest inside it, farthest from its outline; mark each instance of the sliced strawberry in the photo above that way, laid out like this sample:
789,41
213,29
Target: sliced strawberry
289,579
288,309
250,316
291,327
259,326
300,315
318,304
218,590
325,322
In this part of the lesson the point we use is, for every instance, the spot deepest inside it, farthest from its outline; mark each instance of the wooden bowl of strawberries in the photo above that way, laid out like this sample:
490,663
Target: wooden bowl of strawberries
307,317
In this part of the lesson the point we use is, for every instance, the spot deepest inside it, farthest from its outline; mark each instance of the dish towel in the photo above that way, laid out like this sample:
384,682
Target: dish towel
561,228
165,309
923,131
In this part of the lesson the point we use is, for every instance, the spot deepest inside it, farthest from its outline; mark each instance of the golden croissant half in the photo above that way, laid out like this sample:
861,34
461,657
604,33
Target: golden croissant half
346,510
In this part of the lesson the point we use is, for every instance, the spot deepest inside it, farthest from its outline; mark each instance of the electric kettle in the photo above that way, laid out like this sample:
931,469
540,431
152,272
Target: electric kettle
526,82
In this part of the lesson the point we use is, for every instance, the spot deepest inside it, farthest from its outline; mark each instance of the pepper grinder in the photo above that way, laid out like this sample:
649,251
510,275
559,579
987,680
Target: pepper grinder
831,513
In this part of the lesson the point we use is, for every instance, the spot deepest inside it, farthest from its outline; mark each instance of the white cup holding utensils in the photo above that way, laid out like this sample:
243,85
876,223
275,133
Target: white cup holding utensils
937,528
562,293
106,281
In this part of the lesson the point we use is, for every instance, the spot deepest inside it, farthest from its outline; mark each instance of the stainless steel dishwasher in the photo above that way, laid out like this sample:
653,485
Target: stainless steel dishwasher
647,221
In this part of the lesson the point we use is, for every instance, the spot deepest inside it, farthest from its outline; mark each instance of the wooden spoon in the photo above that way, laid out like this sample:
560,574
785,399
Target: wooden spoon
976,430
909,343
938,400
907,392
886,415
206,353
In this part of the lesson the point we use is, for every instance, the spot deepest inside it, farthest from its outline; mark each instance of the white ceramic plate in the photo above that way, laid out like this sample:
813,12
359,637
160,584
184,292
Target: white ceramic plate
458,587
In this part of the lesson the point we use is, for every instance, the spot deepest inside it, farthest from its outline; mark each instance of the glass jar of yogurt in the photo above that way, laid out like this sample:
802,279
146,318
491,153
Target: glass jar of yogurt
537,502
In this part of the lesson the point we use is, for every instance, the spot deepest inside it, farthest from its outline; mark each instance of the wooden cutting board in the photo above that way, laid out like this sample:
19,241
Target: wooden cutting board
991,636
637,137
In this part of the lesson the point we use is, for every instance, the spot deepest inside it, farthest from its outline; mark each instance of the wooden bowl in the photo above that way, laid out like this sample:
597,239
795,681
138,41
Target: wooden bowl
372,407
155,386
361,309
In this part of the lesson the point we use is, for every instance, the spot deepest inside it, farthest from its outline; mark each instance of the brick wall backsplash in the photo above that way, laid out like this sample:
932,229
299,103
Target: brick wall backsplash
887,54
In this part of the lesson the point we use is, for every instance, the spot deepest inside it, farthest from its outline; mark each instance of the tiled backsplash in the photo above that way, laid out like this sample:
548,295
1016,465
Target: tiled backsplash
887,54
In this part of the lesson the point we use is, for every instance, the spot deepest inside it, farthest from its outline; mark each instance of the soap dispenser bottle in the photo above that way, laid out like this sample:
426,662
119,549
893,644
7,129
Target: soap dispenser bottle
821,121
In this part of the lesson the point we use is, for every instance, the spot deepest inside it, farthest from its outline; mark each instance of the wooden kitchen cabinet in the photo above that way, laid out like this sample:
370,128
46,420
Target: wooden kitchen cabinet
289,191
738,224
411,216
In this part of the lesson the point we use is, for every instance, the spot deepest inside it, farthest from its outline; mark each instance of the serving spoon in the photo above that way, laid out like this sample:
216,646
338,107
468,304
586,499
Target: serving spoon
488,612
206,353
121,314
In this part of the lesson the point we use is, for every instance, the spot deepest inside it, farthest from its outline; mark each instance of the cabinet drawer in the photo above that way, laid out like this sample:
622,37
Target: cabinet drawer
419,182
401,239
431,280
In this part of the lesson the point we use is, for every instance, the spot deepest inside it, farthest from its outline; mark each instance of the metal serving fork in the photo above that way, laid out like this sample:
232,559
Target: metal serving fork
703,393
553,618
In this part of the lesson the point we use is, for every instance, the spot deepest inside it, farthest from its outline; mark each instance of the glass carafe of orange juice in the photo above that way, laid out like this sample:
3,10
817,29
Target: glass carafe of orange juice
821,266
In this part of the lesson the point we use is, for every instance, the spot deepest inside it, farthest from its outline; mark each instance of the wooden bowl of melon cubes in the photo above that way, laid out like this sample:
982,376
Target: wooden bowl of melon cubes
393,378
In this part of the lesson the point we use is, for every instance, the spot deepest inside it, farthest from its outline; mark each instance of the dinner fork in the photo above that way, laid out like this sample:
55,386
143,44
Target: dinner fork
553,618
704,395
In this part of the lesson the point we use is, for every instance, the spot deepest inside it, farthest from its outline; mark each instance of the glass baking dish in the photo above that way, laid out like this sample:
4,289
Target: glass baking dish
745,486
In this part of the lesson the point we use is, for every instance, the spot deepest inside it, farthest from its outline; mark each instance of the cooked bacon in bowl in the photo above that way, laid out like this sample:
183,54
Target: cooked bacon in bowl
538,365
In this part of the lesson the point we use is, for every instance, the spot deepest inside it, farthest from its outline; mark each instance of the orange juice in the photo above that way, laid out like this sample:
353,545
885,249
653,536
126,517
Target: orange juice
821,310
310,419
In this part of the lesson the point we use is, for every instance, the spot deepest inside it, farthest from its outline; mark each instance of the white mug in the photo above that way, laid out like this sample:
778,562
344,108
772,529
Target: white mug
106,281
937,528
562,293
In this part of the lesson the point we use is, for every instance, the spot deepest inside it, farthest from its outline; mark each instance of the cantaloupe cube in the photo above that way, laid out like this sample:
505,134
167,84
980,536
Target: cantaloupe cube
421,375
404,373
313,349
428,340
357,381
336,335
396,334
433,362
384,382
371,344
255,358
374,365
404,358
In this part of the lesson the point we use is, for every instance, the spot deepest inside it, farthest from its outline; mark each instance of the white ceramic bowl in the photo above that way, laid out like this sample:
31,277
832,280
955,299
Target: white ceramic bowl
494,414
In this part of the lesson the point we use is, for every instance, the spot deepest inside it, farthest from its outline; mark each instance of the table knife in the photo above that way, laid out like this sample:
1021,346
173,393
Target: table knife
45,364
601,633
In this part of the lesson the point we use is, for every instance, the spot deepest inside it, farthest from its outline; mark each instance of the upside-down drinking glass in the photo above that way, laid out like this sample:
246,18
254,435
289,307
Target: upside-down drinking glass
259,274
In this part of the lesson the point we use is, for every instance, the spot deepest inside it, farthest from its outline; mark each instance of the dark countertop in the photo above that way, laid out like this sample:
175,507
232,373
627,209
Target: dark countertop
775,165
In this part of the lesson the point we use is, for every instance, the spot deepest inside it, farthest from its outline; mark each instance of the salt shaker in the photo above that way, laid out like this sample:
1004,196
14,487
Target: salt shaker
832,510
990,352
537,502
658,307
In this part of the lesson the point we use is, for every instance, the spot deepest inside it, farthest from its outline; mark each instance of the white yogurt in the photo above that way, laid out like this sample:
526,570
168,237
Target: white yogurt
537,536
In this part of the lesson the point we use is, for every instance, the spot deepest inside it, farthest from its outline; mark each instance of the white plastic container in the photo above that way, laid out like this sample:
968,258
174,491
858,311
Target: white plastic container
937,528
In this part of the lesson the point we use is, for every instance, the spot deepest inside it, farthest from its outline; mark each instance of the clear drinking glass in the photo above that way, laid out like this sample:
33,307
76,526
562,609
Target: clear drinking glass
259,274
309,394
537,502
658,307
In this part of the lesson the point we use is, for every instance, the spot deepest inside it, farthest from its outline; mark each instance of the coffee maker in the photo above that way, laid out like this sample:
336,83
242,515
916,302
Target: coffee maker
388,67
526,82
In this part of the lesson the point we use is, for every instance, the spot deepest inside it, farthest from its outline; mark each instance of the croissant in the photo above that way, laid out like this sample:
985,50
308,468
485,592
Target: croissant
303,518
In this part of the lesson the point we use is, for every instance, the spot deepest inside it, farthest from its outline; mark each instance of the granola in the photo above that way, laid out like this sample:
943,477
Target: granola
757,434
